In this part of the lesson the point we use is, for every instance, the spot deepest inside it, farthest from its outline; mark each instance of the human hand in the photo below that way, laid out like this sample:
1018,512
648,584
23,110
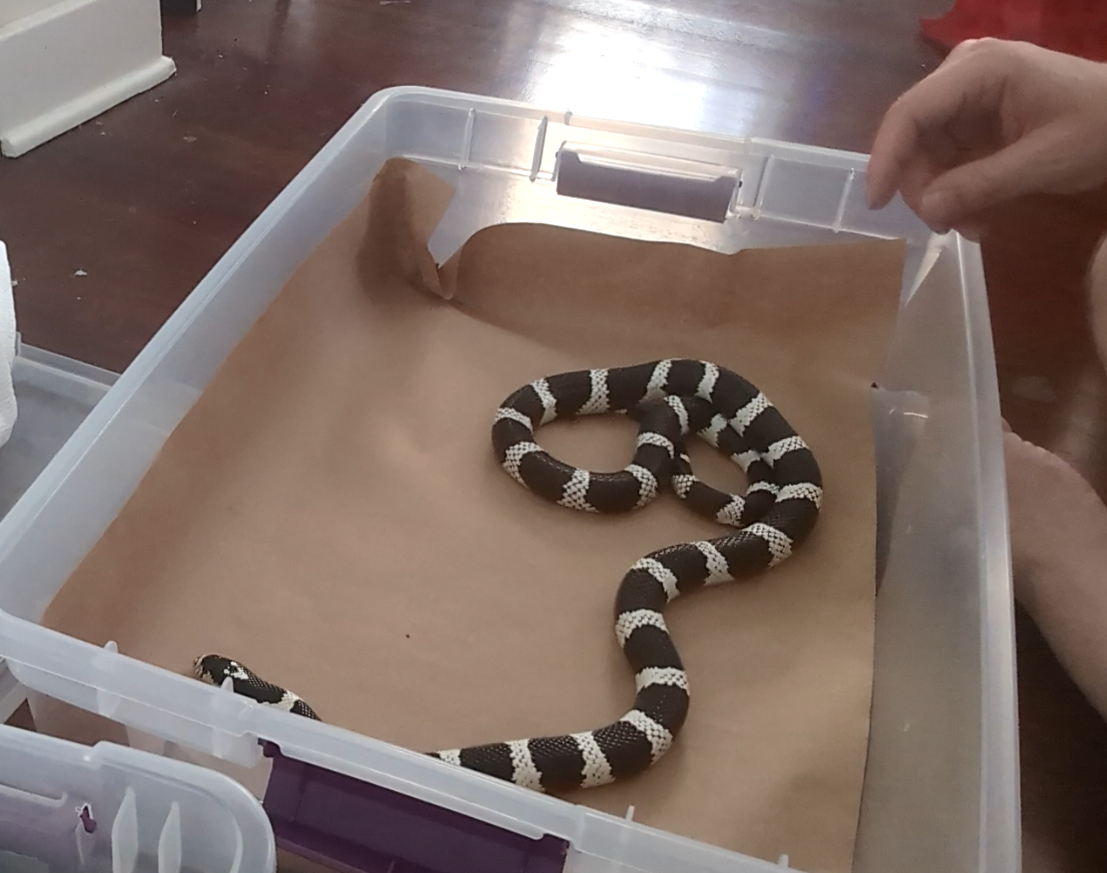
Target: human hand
996,121
1058,529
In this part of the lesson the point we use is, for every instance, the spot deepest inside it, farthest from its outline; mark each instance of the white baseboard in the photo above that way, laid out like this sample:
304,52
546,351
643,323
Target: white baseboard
71,60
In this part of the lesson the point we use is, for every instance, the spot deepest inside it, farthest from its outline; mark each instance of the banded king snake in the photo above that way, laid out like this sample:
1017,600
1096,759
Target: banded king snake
670,400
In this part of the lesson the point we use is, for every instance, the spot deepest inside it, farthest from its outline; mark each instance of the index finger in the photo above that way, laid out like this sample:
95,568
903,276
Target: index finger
963,84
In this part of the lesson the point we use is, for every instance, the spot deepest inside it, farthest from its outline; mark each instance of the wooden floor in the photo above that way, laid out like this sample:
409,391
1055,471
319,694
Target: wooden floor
111,225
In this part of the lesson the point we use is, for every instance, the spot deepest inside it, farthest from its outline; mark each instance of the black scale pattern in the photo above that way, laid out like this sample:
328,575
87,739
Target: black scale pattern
559,760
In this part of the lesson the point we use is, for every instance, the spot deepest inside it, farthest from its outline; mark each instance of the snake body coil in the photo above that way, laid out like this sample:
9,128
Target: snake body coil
670,399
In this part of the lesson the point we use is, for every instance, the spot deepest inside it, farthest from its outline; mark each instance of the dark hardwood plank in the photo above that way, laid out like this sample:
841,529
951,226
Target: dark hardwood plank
146,198
1064,768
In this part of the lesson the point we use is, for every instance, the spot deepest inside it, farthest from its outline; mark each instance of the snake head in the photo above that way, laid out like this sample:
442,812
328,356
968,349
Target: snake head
213,668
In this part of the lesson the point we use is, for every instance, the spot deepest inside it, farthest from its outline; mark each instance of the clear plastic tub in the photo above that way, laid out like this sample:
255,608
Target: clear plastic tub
110,809
55,394
941,788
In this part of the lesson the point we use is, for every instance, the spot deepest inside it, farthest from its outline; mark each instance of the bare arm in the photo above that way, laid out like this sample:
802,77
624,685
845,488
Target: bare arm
1059,538
1059,549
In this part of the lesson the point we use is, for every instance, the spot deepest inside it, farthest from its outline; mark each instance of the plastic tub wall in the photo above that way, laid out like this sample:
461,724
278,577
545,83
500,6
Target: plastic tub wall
942,779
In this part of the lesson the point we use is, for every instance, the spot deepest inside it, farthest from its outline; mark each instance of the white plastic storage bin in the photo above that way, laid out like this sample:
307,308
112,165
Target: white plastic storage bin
941,789
110,809
54,394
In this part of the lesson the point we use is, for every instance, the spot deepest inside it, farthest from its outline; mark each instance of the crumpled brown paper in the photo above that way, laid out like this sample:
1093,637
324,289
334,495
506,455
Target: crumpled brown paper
331,513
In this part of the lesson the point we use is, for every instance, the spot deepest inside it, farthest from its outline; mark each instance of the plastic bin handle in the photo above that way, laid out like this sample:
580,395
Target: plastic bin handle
705,195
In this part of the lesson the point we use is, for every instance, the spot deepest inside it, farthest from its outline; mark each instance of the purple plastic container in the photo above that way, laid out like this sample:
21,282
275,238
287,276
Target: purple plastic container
350,825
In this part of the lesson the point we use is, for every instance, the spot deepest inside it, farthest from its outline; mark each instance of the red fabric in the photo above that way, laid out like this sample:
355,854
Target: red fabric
1077,27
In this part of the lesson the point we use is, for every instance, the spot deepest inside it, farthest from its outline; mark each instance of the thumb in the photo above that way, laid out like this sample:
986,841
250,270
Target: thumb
1024,167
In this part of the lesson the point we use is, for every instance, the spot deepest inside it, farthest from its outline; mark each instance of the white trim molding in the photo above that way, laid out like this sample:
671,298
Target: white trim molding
63,62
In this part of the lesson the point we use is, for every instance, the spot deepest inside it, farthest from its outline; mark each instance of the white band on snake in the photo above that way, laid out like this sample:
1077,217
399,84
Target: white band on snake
671,400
